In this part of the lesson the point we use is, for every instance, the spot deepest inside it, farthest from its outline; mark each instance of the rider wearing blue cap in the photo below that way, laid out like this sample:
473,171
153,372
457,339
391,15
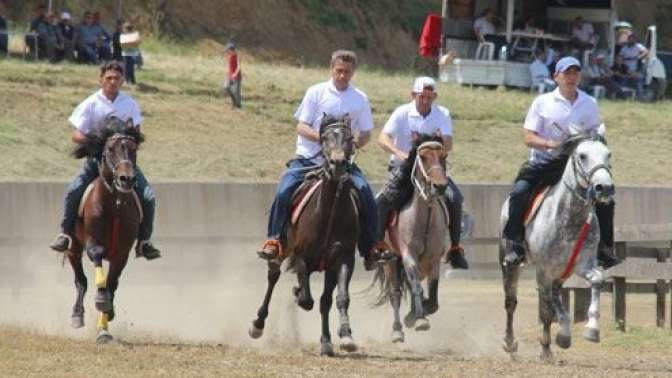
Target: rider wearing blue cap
546,125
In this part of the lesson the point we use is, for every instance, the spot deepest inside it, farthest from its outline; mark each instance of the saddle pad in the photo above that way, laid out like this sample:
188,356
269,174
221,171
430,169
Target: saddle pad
88,191
535,204
301,199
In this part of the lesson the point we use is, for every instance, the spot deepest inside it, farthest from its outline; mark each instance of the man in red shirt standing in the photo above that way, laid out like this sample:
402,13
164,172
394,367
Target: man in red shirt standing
234,74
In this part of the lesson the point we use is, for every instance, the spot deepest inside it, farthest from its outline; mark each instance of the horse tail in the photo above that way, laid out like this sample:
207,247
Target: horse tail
382,282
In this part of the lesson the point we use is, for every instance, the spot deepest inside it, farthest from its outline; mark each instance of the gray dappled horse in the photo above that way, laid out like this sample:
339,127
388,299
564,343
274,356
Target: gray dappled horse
564,221
324,237
419,238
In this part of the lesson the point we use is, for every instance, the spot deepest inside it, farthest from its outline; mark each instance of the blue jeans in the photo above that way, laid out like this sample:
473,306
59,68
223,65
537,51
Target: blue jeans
86,175
129,69
292,179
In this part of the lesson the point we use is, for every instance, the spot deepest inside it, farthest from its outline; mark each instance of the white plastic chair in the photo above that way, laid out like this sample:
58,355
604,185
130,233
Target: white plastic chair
599,91
485,51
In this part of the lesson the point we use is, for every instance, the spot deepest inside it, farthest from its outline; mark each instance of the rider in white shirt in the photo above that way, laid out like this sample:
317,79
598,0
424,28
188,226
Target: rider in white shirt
418,117
546,126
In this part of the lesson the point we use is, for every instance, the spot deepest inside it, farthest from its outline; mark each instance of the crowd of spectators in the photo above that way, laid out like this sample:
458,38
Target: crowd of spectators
57,38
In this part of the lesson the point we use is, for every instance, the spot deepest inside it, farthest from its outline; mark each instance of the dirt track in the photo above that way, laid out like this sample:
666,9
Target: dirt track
194,323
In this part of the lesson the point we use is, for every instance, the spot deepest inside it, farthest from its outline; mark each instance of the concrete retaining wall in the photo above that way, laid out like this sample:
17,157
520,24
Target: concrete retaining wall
235,214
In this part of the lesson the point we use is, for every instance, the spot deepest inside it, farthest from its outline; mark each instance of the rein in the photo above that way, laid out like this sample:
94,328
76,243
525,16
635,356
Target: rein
425,172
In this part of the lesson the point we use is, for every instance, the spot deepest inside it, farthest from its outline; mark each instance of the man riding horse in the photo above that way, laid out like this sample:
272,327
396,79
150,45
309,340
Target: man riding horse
418,117
336,98
546,126
87,116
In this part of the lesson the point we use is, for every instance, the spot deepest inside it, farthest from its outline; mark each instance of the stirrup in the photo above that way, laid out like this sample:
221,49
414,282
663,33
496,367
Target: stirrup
270,245
62,234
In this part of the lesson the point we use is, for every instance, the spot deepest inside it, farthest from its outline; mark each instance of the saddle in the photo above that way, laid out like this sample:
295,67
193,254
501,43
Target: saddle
537,198
89,189
306,190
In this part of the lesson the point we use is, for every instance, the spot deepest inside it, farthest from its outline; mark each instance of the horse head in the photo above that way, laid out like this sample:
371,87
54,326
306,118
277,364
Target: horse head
428,173
337,144
590,159
115,145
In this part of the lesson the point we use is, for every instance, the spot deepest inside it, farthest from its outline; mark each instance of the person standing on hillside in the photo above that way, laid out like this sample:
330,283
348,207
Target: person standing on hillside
234,75
108,101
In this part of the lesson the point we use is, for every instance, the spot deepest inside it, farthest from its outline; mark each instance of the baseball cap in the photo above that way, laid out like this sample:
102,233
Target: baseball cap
230,46
566,62
65,16
422,83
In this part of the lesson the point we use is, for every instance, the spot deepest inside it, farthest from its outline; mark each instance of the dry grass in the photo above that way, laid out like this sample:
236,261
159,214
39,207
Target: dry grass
193,134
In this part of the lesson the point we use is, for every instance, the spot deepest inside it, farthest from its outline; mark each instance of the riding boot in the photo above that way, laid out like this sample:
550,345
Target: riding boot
62,243
145,249
455,255
270,250
516,253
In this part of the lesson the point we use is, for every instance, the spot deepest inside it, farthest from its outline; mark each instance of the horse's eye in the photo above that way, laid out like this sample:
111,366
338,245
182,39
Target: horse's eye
583,157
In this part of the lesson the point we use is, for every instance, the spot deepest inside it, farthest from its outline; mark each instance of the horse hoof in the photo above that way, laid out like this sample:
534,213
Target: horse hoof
409,320
429,308
307,304
348,344
510,346
104,337
422,324
103,301
546,355
397,337
592,335
255,332
77,321
563,341
327,349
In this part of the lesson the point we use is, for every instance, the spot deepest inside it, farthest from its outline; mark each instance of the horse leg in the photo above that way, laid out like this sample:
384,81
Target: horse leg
347,343
396,270
510,274
302,292
77,318
330,281
431,305
592,328
545,314
415,317
564,336
257,328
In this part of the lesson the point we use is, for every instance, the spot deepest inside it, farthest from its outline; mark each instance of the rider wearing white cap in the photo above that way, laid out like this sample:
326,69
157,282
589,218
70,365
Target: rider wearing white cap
418,117
546,125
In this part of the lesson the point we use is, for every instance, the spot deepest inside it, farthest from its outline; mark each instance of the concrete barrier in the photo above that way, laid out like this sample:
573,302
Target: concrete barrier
236,213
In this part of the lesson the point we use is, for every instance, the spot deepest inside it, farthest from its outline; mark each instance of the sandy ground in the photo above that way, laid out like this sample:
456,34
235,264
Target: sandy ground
188,314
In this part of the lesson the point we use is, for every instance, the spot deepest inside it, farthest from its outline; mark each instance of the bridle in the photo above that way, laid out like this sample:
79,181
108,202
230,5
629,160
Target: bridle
424,187
584,178
105,162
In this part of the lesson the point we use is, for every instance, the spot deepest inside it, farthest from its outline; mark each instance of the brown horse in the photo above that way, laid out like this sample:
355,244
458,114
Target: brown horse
323,238
110,217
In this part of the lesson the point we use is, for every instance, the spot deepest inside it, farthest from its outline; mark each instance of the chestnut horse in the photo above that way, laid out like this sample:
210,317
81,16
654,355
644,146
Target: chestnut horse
109,217
323,238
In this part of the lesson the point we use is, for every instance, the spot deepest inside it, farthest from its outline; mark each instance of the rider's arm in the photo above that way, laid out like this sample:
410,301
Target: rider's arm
447,143
307,132
385,141
533,140
363,139
78,137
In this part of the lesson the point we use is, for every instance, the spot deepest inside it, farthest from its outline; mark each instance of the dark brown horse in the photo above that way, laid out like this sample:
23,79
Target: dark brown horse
323,238
110,217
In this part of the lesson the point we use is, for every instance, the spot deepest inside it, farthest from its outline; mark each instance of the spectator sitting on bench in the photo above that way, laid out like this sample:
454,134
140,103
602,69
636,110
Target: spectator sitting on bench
598,73
104,39
539,72
67,34
625,77
87,40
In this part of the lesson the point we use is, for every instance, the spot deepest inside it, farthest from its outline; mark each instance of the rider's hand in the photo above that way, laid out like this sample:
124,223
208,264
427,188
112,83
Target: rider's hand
552,144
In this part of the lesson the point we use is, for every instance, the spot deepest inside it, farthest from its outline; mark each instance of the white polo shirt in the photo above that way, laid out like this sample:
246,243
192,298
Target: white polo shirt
483,26
551,115
406,120
539,72
324,98
630,54
90,112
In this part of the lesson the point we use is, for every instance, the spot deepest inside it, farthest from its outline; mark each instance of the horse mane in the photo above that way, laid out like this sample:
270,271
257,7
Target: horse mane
406,167
570,144
94,144
329,119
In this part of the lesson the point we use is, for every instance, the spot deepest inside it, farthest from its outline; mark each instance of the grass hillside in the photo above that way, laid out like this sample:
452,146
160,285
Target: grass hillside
194,134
